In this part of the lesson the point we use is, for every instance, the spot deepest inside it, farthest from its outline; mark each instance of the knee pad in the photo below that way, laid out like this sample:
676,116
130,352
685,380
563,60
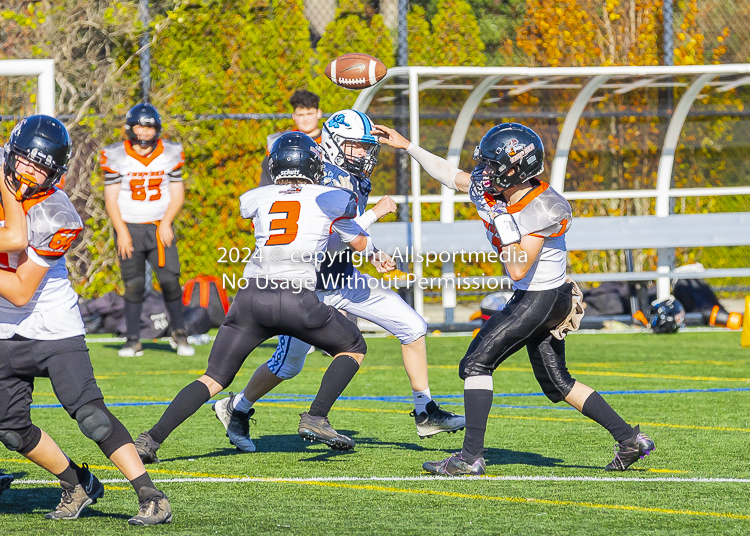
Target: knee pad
557,388
94,422
288,359
170,286
21,441
134,289
470,365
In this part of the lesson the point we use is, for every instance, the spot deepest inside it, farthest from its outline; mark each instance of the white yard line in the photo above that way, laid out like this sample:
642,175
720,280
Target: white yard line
698,480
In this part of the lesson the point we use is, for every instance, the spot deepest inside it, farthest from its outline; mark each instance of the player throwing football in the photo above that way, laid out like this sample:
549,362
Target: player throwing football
293,220
526,220
41,330
351,154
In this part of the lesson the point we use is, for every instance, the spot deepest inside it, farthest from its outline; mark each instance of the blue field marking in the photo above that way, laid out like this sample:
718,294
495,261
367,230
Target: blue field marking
444,399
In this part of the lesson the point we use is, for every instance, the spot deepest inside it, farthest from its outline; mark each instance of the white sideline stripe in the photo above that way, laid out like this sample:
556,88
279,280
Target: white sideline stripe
699,480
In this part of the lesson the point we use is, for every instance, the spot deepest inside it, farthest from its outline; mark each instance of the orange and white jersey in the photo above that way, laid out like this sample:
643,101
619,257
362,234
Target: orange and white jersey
292,227
144,180
52,313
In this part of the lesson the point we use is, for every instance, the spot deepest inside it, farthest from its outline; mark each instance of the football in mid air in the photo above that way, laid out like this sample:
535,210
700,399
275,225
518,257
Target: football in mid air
356,71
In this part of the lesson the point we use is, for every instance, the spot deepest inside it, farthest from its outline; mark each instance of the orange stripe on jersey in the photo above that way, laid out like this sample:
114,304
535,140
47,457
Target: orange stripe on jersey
28,203
528,198
182,161
563,227
145,160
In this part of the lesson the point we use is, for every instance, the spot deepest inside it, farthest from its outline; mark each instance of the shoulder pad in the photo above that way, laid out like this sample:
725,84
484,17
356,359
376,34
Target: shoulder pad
338,203
335,176
111,159
53,225
547,214
171,147
173,150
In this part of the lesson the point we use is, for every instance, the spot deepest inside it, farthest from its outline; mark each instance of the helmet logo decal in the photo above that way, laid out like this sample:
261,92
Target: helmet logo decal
517,155
511,147
338,120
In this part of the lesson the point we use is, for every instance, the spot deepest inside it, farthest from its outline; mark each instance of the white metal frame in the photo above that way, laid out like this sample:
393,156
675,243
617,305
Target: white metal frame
598,79
44,70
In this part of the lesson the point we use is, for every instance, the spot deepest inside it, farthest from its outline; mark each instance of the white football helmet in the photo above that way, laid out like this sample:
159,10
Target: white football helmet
345,133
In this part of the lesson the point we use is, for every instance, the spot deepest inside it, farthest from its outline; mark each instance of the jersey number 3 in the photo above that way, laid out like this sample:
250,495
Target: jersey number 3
139,190
288,224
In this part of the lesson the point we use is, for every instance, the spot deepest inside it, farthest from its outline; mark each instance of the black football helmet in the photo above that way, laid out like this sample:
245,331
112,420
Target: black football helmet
44,141
296,156
145,115
667,316
509,154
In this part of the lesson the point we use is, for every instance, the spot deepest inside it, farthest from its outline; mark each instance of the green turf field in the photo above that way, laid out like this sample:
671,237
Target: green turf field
544,461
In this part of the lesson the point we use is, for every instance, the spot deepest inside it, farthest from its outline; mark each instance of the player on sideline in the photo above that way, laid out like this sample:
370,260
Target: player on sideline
41,331
351,154
143,193
279,297
526,220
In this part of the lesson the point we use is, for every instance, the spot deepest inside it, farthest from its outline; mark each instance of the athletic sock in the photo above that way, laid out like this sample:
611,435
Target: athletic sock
174,308
597,409
421,399
133,319
144,487
477,405
340,372
187,402
72,474
241,404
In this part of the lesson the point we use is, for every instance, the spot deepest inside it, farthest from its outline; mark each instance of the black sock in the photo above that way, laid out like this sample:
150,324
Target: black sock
187,402
340,372
174,308
144,487
597,409
72,474
477,405
133,319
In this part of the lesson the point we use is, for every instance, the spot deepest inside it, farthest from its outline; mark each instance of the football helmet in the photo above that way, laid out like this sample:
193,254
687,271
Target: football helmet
508,155
296,156
352,127
44,141
667,316
143,114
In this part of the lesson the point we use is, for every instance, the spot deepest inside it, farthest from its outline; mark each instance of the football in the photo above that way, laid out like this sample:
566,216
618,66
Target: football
356,71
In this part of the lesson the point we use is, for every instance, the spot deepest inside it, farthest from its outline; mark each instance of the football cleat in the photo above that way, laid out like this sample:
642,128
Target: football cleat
147,447
455,465
179,342
436,420
626,455
236,423
319,429
76,498
5,481
132,348
153,511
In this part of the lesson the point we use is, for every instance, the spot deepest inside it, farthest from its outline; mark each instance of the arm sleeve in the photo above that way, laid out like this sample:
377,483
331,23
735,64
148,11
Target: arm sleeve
366,219
438,168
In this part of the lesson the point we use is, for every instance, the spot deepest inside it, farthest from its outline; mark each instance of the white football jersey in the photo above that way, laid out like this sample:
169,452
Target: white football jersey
292,227
544,213
52,313
144,180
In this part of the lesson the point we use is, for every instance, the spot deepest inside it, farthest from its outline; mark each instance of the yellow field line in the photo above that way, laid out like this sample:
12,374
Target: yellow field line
456,495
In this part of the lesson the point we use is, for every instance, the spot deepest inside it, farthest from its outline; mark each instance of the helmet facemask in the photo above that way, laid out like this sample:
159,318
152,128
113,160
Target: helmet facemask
360,166
26,186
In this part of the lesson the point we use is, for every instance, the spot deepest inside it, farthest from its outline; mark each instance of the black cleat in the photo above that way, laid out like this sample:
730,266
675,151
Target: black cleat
455,465
236,423
76,498
319,429
147,447
436,420
153,511
626,455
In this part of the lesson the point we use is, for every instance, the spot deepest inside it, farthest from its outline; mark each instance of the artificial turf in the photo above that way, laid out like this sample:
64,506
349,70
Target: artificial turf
694,407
